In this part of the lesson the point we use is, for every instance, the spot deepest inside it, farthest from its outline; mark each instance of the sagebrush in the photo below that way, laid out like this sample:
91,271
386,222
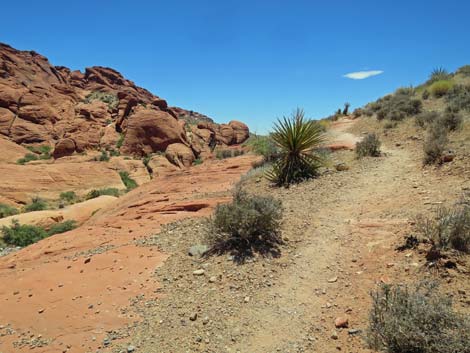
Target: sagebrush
416,320
249,224
369,146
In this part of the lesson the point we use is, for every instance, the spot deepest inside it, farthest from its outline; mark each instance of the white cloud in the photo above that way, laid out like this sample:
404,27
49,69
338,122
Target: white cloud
360,75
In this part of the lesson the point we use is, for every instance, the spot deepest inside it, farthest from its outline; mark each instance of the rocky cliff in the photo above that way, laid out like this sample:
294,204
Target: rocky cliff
99,109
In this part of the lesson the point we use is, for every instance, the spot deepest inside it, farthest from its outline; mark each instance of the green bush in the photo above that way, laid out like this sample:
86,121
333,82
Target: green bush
451,120
264,146
28,157
247,225
407,91
99,192
440,88
222,154
449,228
458,97
108,98
416,320
120,142
296,138
424,119
425,94
62,227
6,211
37,204
396,107
464,70
22,234
435,143
197,161
68,196
127,180
369,146
104,157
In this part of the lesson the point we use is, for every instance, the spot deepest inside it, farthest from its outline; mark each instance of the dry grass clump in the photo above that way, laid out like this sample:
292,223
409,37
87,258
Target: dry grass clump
416,320
448,228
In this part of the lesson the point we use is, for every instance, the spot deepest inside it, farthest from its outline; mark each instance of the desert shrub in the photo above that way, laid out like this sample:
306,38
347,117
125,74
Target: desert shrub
120,142
6,210
464,70
99,192
369,146
346,108
108,98
451,119
28,157
249,224
264,146
222,154
296,139
396,115
68,196
22,234
62,227
440,88
425,94
448,228
37,204
104,156
438,74
397,106
114,153
408,91
358,112
390,125
424,119
458,97
435,143
198,161
416,320
127,180
238,152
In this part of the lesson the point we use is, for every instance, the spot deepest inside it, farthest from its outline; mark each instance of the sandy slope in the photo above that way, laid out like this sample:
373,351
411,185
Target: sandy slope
74,287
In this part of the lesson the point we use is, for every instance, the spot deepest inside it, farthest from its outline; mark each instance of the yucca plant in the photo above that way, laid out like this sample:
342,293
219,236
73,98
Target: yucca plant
438,74
296,139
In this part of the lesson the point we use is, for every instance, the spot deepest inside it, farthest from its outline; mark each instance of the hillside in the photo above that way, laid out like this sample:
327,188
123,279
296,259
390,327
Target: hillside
138,273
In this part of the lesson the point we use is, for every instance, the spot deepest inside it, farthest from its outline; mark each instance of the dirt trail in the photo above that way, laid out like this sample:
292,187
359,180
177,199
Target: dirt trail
346,228
341,230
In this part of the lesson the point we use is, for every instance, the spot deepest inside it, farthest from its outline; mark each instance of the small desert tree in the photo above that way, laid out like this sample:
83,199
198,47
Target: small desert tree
296,139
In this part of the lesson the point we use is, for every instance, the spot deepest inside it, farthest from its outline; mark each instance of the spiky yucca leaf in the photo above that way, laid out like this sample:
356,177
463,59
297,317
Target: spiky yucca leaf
296,139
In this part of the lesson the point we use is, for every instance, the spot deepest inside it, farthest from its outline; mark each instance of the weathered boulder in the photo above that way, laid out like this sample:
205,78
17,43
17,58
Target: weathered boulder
64,147
180,155
240,131
150,131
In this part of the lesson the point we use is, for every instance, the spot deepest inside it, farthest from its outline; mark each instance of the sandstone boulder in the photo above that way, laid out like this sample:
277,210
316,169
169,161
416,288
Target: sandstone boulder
150,131
64,147
240,131
180,155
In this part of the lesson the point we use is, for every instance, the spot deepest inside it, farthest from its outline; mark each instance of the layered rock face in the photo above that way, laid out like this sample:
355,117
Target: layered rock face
98,109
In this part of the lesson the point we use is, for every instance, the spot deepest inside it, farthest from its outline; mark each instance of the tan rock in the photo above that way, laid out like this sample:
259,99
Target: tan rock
180,155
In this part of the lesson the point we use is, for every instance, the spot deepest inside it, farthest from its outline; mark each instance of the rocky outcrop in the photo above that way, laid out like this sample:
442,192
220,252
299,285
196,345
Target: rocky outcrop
45,104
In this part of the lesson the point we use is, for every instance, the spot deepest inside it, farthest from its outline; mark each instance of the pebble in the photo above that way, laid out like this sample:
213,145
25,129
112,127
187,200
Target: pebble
199,272
341,322
333,279
130,349
193,317
334,335
212,279
40,311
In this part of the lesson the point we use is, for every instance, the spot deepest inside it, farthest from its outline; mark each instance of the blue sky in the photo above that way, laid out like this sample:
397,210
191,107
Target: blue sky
249,60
